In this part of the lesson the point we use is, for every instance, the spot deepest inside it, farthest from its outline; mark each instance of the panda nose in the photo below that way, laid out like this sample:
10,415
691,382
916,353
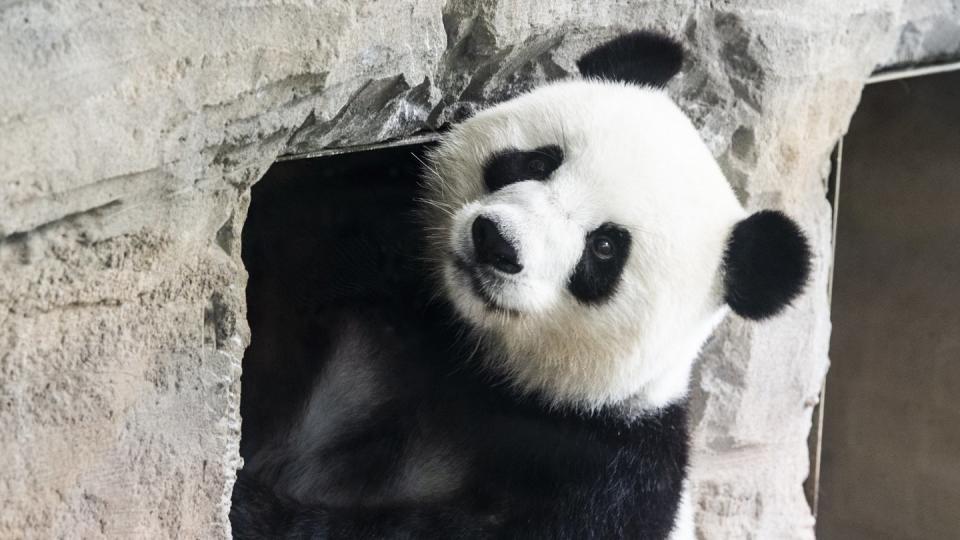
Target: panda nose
492,248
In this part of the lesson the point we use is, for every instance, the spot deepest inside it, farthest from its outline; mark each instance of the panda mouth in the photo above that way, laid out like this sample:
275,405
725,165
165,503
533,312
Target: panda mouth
480,282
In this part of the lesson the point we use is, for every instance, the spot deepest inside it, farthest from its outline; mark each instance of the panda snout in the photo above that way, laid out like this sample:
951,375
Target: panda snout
492,248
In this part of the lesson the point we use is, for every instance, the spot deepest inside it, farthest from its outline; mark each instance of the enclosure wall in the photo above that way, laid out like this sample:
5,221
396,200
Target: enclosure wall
131,132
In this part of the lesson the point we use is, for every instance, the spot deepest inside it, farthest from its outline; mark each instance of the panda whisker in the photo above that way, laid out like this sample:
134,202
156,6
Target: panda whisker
439,206
431,170
476,348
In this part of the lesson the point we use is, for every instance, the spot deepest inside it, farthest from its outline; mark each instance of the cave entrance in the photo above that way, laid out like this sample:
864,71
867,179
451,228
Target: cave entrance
891,430
322,234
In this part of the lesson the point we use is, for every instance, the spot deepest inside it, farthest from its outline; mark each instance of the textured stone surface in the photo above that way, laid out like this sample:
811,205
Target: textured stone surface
130,133
929,31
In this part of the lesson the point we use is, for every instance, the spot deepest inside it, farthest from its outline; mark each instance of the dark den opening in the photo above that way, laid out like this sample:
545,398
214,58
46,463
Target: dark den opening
322,236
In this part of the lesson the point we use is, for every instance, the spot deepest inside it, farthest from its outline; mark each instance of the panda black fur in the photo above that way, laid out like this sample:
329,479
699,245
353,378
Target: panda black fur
585,244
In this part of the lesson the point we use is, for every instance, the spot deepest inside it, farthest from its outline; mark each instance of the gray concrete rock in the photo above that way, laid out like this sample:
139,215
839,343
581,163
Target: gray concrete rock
131,132
929,32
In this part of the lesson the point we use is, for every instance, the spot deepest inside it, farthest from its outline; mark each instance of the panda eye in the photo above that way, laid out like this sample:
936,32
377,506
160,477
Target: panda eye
606,250
603,248
511,165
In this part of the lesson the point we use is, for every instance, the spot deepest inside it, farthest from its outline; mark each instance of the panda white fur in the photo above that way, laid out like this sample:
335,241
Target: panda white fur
587,244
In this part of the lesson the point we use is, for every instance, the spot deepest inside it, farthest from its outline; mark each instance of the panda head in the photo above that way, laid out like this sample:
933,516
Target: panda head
587,235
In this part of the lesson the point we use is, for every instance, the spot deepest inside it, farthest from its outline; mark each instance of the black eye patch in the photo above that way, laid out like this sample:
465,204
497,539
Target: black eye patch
509,166
600,268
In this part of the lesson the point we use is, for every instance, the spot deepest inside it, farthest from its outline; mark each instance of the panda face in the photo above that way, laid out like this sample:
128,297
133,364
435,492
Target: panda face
516,226
580,229
584,230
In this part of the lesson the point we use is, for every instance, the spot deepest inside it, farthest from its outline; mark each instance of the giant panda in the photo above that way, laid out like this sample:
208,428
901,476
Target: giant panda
583,244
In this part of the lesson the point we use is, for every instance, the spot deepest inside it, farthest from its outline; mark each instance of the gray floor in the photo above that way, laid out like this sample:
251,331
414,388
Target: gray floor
891,447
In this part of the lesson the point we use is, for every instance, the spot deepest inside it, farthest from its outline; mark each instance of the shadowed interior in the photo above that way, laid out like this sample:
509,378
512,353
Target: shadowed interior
891,442
322,236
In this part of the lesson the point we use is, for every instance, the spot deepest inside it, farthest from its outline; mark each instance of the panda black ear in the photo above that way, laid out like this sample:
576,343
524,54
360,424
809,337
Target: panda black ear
766,264
640,58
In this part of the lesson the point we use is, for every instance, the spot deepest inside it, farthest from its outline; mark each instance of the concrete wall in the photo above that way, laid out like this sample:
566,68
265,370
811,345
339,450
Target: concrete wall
130,133
891,446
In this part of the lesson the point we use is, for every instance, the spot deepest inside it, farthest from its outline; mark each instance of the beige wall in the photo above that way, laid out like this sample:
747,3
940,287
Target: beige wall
891,451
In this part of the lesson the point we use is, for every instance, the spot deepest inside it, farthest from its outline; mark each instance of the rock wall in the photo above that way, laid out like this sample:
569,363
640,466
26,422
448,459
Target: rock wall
929,31
130,133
